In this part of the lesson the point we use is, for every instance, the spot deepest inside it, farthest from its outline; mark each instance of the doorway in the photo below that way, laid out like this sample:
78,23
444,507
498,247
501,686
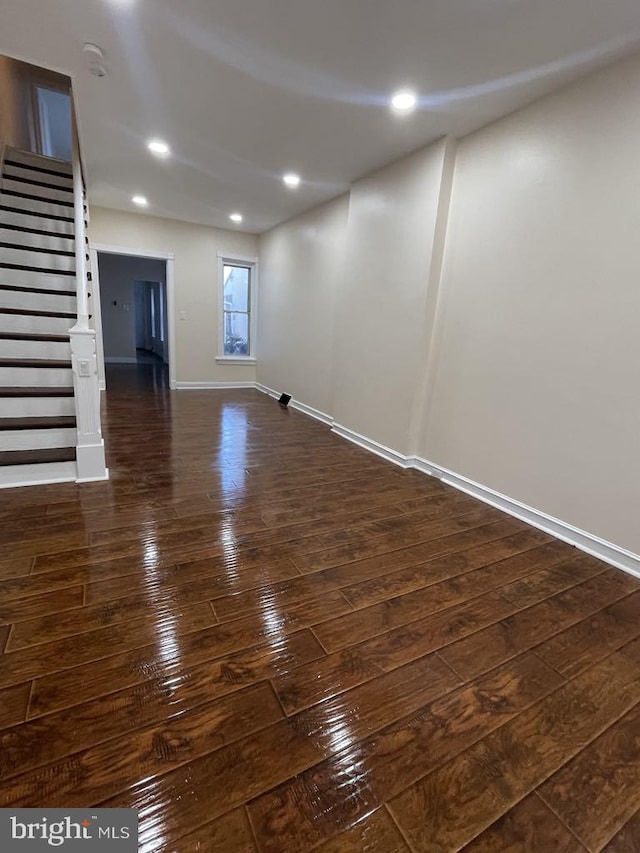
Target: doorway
151,321
132,305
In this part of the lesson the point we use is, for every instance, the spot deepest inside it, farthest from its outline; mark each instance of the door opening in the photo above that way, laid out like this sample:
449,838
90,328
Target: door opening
54,122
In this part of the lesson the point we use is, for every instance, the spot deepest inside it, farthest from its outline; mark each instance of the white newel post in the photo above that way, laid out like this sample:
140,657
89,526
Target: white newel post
90,449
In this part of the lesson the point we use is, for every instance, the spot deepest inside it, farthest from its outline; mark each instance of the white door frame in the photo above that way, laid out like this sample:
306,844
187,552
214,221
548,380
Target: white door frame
94,248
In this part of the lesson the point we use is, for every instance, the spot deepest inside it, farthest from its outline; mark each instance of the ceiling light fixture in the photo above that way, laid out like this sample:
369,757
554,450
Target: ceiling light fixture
404,102
157,146
291,180
236,217
140,200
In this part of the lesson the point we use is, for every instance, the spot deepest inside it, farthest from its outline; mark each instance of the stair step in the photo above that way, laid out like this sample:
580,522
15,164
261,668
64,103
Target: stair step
34,206
6,289
34,300
60,422
37,190
51,262
22,171
37,222
37,281
37,323
37,457
41,438
19,336
50,391
39,161
53,364
35,346
36,313
25,238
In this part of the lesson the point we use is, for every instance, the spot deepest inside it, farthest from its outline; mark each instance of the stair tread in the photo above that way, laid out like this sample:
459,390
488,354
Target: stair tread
48,290
40,214
53,422
33,336
31,313
36,391
65,364
35,457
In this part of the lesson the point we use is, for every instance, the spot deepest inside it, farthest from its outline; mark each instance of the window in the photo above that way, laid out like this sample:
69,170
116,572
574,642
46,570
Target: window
237,282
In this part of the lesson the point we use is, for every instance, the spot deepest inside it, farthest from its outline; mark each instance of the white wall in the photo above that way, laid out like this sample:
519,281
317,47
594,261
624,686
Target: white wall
196,250
516,360
380,331
537,391
301,265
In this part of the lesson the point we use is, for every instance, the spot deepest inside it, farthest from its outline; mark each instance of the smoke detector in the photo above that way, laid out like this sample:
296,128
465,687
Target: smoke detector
98,70
94,50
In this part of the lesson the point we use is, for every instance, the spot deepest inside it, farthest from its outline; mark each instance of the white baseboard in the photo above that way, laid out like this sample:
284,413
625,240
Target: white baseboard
296,404
373,446
585,541
212,386
117,359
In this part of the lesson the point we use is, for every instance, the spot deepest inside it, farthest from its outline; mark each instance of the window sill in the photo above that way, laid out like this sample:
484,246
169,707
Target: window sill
235,359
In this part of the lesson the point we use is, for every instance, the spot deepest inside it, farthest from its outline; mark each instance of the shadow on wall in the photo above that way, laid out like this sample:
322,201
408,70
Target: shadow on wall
35,109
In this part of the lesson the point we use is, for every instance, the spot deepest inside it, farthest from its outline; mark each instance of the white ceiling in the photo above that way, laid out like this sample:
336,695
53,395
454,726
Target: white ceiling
244,90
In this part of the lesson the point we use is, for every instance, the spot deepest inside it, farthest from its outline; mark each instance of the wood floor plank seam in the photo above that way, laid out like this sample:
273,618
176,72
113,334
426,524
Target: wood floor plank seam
549,805
406,840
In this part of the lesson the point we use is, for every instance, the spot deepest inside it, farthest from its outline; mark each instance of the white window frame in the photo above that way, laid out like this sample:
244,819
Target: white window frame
225,259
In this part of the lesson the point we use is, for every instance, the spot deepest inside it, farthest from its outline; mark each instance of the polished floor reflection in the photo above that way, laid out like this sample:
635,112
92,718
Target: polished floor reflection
267,639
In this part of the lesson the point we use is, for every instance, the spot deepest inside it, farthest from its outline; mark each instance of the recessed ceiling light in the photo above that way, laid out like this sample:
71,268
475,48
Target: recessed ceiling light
140,200
404,101
291,180
236,217
157,146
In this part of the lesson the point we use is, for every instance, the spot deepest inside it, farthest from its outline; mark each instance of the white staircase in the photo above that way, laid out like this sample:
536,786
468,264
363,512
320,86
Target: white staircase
38,308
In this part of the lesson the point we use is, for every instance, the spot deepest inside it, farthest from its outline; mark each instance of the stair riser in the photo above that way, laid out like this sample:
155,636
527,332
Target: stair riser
37,407
39,325
27,204
41,241
45,193
20,172
36,377
37,439
31,475
41,260
37,301
35,349
44,281
19,155
37,223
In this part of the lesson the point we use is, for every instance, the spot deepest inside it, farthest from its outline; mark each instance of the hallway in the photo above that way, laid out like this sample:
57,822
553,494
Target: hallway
267,639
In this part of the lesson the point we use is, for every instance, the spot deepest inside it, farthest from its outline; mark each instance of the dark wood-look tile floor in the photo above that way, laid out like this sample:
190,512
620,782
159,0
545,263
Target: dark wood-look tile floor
269,641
